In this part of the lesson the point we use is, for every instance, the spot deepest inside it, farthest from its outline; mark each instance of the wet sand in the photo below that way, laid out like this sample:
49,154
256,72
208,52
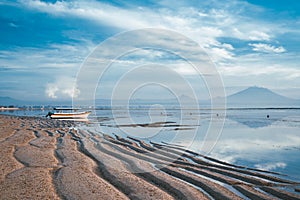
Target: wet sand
48,159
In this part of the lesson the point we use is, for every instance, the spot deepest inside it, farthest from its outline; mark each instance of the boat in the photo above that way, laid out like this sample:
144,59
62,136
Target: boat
72,114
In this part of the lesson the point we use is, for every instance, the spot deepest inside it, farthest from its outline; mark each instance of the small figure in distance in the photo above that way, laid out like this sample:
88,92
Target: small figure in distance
268,116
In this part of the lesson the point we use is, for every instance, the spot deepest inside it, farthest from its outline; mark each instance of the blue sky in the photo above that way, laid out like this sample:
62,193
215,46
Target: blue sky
43,43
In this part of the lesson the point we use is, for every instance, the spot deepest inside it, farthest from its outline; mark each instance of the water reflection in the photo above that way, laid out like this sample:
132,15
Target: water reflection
253,123
272,147
258,118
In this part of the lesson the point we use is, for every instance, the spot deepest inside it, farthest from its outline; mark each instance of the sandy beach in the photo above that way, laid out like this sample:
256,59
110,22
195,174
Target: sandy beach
49,159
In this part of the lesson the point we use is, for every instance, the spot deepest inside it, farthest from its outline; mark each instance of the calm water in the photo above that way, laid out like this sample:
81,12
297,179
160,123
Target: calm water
247,137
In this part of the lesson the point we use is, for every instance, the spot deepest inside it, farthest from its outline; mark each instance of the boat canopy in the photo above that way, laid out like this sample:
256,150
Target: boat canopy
67,108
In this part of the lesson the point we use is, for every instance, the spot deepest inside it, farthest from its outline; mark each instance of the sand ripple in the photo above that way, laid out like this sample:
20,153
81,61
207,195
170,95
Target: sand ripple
45,159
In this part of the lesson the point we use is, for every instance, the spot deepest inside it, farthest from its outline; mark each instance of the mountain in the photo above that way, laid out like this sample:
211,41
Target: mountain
7,101
186,98
259,96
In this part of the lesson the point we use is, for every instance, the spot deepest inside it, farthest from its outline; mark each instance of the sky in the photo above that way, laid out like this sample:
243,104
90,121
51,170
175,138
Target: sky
44,44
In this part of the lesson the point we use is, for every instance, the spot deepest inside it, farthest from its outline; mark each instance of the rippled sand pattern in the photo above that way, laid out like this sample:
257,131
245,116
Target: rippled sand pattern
47,159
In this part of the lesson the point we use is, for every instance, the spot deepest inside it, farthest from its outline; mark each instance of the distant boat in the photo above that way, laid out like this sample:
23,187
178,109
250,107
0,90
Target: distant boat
62,114
8,108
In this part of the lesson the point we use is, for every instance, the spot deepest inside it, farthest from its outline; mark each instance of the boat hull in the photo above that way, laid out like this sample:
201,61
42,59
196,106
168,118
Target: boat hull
81,115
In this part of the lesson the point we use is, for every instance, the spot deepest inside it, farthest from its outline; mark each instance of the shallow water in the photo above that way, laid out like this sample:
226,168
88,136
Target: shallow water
247,137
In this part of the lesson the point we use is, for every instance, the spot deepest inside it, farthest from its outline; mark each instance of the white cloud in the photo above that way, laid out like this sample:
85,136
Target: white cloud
227,46
279,71
259,36
63,56
63,87
205,24
245,32
219,54
260,47
184,69
92,10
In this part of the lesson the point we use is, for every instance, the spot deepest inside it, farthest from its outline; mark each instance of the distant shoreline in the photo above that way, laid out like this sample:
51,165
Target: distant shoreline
17,111
166,107
7,108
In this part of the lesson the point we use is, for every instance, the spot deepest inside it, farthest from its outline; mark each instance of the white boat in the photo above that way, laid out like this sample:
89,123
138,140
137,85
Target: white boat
68,115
